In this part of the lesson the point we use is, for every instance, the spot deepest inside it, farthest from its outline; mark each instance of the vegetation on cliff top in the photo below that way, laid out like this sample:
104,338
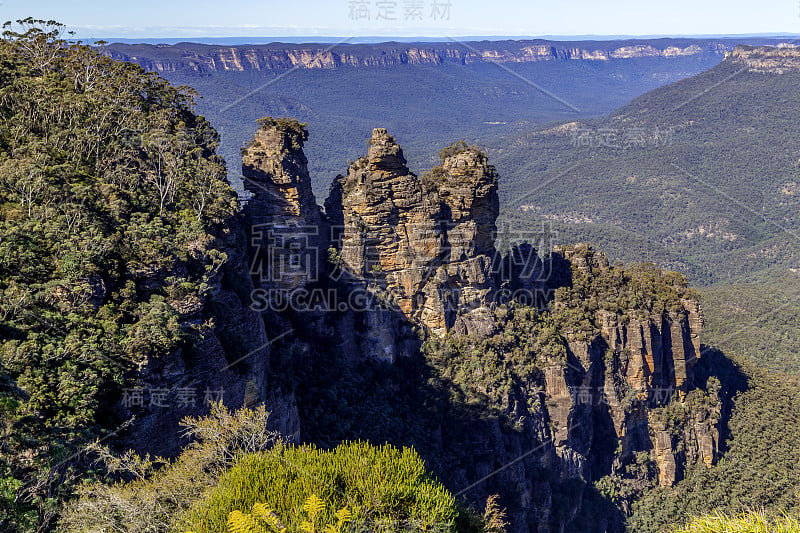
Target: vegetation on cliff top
485,371
110,196
643,288
438,177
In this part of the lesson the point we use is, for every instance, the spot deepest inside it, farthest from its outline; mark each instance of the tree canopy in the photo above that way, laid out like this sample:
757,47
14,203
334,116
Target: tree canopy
111,193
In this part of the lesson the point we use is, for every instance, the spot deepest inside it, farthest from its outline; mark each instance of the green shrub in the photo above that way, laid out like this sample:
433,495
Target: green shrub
148,493
377,484
295,128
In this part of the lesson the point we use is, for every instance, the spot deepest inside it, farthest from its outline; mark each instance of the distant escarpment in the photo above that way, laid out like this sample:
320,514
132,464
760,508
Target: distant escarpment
775,60
404,322
277,56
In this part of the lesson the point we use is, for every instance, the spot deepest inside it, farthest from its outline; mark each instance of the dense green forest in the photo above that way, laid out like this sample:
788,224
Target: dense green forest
757,322
700,182
109,184
759,470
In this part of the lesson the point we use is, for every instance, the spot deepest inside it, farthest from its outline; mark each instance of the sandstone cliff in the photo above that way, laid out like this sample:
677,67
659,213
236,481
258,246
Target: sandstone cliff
427,244
228,360
287,236
775,60
275,244
213,58
621,396
648,354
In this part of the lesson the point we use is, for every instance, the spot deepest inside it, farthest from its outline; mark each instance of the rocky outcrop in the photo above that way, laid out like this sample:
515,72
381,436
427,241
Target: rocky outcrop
226,359
424,248
275,245
774,60
638,372
426,244
655,351
618,399
288,237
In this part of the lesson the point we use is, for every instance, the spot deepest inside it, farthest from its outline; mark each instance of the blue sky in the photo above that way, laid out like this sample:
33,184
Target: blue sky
183,18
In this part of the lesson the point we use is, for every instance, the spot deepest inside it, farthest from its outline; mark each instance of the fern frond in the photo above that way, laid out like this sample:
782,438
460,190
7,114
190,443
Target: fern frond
344,515
313,507
238,522
261,511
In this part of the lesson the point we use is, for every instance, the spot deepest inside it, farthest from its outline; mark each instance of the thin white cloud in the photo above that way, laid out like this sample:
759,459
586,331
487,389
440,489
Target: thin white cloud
255,30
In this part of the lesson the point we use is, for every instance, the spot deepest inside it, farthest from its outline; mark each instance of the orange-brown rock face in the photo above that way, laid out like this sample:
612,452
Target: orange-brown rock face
655,351
426,243
287,232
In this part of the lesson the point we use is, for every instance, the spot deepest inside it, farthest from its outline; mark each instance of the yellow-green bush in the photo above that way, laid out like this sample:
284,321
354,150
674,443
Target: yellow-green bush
384,488
752,522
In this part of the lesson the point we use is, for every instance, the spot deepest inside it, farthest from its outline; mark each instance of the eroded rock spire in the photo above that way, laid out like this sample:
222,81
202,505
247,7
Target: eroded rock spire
427,242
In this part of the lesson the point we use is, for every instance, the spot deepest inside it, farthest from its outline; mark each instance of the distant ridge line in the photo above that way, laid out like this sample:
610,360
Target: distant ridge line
233,40
199,57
